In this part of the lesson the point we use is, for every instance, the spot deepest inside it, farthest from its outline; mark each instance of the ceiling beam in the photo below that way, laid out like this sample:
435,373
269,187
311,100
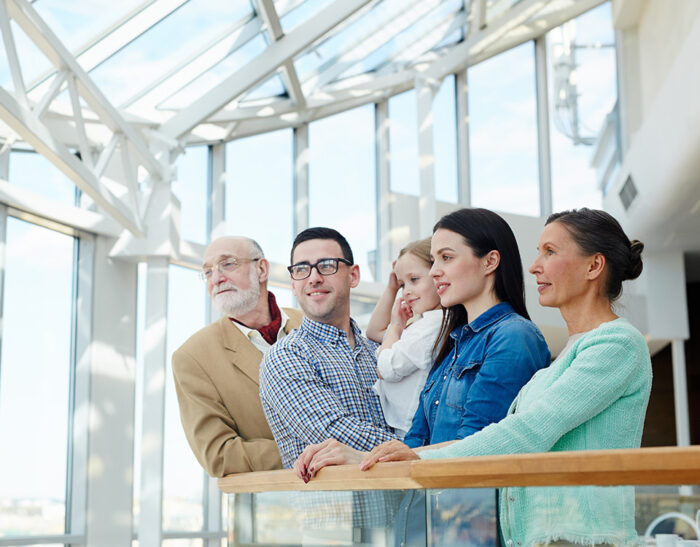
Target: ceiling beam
44,38
195,64
21,120
266,10
114,38
261,67
373,36
37,205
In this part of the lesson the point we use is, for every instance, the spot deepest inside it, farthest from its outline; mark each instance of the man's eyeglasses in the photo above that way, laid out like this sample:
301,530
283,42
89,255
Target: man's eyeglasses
226,265
325,266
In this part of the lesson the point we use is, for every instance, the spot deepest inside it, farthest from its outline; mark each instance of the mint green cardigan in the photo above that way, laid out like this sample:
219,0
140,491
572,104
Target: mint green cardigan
592,397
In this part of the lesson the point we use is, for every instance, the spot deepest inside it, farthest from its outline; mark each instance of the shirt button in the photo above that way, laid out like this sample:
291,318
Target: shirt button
511,498
437,402
518,542
444,377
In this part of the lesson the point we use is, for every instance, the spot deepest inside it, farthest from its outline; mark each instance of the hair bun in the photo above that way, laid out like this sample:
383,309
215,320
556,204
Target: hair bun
634,268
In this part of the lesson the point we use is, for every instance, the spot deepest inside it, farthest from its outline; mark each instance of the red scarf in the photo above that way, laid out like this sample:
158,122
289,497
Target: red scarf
269,332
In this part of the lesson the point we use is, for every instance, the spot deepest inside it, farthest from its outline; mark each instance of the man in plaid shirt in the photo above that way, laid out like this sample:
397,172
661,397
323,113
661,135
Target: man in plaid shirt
316,383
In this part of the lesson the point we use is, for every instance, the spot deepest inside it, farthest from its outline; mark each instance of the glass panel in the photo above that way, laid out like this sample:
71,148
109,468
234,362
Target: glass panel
183,477
31,58
342,188
162,47
319,56
403,143
76,23
35,378
370,518
503,132
34,172
191,189
582,94
447,517
183,543
259,181
272,87
215,75
305,11
420,36
445,141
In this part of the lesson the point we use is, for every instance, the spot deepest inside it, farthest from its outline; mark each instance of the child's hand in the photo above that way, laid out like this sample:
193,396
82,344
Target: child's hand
401,313
393,284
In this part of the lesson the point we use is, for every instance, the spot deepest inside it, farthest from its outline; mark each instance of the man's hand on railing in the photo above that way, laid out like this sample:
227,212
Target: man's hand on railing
390,451
329,452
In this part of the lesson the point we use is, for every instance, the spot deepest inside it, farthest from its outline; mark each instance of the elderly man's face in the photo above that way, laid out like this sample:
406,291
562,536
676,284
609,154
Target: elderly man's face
234,292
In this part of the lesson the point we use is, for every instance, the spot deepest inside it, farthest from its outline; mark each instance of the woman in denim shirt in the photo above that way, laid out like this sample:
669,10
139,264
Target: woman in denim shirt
487,348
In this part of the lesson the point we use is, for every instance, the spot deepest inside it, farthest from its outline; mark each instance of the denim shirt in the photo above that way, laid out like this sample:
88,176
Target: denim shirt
491,359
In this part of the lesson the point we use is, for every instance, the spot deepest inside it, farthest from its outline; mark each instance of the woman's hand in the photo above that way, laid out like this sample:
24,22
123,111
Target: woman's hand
390,451
329,452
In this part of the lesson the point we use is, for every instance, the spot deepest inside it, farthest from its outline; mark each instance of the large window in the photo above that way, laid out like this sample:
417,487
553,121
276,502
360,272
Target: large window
342,184
32,171
503,132
259,191
582,93
35,372
403,143
445,141
190,187
183,477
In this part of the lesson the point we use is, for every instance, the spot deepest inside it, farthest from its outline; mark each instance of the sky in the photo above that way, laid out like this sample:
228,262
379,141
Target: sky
37,298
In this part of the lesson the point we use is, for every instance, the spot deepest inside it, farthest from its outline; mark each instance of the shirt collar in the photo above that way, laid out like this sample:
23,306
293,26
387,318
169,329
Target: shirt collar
325,332
489,317
252,332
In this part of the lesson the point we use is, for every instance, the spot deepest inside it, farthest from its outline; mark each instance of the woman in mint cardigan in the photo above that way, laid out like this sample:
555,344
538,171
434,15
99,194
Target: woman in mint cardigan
593,396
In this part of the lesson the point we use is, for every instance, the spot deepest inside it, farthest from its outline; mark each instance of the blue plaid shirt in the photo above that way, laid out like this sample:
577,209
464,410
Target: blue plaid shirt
314,387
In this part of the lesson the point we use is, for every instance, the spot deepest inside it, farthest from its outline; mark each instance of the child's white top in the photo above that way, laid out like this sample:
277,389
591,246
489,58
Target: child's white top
405,367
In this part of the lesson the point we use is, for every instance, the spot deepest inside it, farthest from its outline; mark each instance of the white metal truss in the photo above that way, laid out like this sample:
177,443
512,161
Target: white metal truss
118,195
260,68
117,163
266,10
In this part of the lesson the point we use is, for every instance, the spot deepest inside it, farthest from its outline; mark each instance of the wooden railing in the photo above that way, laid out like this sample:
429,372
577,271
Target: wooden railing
669,465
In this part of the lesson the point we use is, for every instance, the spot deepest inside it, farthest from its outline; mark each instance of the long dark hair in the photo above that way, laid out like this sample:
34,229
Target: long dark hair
596,231
483,231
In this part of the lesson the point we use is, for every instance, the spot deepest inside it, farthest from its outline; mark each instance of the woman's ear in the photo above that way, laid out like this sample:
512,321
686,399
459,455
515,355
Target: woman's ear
596,266
491,261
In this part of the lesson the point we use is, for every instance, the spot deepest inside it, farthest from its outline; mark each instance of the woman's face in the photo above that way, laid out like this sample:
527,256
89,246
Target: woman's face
459,275
560,267
418,288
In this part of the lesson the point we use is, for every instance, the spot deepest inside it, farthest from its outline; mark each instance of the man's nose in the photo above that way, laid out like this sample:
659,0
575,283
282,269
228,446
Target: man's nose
216,276
315,277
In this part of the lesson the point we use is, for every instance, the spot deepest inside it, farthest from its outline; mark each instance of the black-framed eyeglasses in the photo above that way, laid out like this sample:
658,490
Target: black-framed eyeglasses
226,265
325,266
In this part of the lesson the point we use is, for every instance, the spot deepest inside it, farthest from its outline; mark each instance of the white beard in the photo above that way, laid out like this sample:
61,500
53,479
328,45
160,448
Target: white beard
236,302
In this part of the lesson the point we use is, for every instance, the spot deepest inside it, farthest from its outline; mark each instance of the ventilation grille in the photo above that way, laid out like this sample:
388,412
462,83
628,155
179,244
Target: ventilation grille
628,193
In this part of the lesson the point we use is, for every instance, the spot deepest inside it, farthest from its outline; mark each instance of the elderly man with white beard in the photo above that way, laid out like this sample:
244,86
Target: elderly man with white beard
216,369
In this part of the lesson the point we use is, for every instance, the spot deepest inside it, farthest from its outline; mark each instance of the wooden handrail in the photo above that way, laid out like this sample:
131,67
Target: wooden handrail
667,465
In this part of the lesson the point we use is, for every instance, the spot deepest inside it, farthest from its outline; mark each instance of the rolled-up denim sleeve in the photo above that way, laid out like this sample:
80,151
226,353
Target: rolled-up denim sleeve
515,352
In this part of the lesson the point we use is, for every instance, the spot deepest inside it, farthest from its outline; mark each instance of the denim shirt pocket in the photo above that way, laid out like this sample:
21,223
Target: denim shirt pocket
460,382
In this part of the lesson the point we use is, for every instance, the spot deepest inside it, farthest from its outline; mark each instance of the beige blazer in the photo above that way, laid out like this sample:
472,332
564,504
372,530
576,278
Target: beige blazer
216,379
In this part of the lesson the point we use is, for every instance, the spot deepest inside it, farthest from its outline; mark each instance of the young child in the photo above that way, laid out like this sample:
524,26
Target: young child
405,356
